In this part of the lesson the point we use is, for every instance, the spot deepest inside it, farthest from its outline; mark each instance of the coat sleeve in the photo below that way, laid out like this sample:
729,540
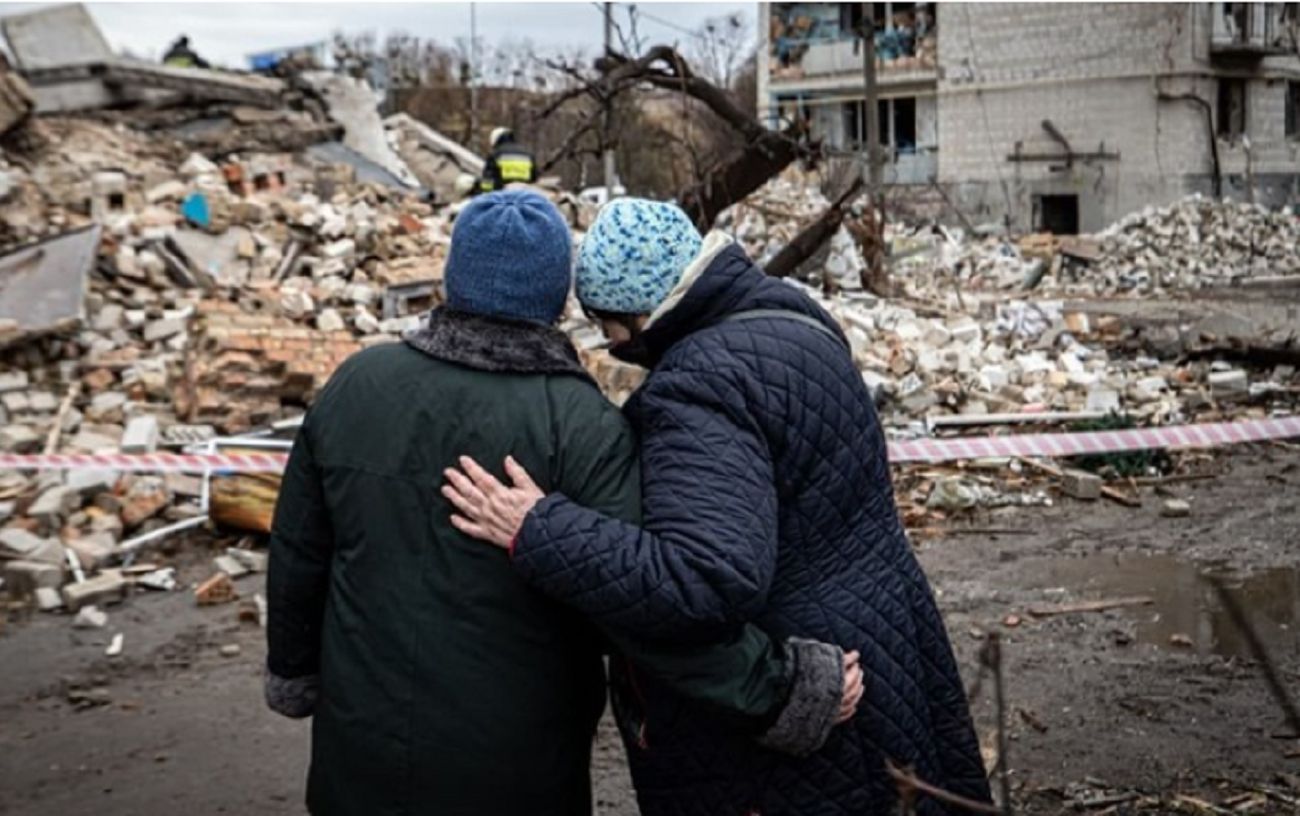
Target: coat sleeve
302,545
744,672
703,561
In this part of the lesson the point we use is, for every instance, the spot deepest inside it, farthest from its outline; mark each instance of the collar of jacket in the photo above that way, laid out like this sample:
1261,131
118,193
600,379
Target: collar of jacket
717,283
495,344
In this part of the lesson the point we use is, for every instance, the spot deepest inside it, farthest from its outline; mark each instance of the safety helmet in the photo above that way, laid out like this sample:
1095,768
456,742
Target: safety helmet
501,135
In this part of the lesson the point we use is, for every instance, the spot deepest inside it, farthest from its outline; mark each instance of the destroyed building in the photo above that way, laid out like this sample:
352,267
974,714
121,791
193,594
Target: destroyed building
1147,104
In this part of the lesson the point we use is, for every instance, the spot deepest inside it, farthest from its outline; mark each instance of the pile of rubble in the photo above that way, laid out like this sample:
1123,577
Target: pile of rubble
1195,243
952,347
156,299
766,221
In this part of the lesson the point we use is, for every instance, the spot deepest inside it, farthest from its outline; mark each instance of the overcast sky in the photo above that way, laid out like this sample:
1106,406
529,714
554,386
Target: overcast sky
226,32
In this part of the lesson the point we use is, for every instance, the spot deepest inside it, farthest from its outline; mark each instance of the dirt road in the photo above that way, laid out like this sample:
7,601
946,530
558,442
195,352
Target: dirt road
1158,699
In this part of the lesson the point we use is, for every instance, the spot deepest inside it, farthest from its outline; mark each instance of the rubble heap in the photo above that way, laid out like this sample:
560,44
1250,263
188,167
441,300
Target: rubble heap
1197,243
196,298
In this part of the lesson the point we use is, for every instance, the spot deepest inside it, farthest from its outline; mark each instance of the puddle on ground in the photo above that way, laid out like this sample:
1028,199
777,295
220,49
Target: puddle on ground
1185,605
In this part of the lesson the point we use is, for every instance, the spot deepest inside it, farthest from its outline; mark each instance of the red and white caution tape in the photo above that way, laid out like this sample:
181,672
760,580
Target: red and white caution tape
1208,435
149,462
914,450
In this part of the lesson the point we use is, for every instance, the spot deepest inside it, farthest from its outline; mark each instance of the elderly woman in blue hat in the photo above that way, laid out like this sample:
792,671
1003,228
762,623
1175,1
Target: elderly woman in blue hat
766,499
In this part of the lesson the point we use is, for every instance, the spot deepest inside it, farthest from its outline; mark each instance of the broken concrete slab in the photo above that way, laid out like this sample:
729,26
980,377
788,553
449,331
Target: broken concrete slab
106,588
55,36
42,285
353,103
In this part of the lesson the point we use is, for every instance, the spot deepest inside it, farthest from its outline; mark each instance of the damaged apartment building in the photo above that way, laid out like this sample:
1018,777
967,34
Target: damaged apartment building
1052,117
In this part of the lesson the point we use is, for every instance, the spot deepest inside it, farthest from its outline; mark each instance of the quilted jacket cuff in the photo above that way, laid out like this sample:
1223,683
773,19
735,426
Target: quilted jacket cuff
532,534
293,697
809,715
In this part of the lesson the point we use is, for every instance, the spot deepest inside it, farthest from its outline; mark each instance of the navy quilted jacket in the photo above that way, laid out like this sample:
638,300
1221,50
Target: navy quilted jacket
767,497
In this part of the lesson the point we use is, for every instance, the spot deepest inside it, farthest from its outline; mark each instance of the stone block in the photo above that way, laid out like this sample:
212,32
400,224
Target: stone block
163,329
42,402
13,381
105,588
20,439
1176,508
48,599
91,482
106,407
141,435
330,320
23,578
94,550
230,566
55,503
15,402
1103,399
1223,383
28,547
1080,484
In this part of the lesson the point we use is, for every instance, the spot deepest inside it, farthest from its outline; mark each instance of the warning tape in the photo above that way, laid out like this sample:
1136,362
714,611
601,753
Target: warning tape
149,462
1206,435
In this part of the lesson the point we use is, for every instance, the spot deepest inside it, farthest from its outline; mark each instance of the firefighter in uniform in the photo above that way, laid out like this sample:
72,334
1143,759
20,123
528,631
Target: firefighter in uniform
507,164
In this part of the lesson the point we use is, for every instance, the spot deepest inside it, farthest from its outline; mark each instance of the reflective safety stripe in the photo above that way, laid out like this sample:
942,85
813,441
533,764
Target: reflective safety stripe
515,169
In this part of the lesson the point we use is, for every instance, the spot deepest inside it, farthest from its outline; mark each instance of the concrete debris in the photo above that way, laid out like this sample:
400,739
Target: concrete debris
1176,508
162,580
115,645
106,588
1080,484
90,617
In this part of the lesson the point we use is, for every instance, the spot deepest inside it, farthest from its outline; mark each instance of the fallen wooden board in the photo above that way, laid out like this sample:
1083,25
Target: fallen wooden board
1090,606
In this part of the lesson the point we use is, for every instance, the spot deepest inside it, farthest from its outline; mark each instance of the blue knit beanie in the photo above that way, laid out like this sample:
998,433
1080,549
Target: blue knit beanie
634,254
510,257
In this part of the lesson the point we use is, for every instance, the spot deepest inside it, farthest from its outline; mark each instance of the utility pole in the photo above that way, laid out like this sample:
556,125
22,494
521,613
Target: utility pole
473,78
874,276
871,111
610,179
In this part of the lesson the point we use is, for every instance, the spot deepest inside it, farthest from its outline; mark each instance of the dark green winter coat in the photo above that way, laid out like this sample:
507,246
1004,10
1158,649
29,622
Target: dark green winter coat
446,684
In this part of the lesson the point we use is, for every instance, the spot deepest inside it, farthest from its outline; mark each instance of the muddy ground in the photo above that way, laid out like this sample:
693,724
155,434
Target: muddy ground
1159,700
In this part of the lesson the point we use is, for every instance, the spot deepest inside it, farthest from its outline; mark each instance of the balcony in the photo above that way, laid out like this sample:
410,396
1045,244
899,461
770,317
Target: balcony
1248,31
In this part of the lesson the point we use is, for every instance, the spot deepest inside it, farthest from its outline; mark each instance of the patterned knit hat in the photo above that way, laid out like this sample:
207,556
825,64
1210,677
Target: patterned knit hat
633,255
510,257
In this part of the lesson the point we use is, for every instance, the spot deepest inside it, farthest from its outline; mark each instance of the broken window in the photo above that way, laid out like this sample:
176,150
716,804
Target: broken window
904,124
1057,214
898,126
1293,109
1231,108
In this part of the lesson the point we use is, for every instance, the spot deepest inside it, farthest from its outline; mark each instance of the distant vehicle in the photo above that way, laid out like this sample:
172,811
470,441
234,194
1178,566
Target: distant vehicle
599,196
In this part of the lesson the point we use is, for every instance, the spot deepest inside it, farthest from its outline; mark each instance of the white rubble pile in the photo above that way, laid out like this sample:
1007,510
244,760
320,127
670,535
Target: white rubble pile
1197,243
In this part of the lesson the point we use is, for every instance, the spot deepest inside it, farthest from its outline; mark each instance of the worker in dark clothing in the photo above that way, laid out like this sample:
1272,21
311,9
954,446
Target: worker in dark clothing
180,55
508,163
